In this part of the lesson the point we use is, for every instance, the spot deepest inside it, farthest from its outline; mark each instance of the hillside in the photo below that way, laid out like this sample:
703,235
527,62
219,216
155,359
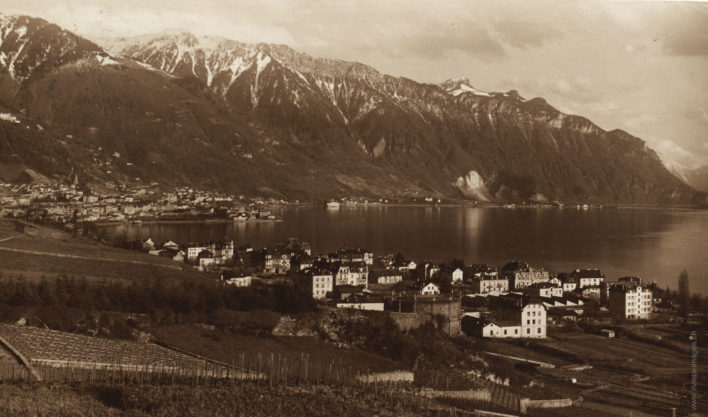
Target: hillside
698,178
38,252
267,120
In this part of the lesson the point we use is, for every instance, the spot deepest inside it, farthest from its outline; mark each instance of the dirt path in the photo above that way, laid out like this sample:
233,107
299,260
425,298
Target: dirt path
9,237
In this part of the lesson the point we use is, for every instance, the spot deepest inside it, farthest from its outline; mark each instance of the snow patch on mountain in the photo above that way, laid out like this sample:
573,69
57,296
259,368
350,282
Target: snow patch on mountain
237,67
9,117
106,60
472,186
464,88
262,61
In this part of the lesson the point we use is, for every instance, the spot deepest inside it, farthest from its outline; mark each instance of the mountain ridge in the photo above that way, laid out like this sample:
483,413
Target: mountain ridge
322,128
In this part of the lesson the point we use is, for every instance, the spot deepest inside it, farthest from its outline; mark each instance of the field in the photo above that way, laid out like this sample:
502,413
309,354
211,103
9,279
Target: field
41,252
237,349
627,374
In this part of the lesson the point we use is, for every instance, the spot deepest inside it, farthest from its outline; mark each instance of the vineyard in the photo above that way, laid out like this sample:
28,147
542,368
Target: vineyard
59,356
54,355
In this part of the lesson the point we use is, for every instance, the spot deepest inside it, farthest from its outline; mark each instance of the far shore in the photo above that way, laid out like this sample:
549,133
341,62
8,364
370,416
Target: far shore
120,222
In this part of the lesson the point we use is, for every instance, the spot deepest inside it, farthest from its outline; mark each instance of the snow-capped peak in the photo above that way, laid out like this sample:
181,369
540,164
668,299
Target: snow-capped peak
457,86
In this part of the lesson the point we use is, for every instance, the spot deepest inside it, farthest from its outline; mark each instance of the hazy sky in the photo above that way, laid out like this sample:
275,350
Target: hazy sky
637,66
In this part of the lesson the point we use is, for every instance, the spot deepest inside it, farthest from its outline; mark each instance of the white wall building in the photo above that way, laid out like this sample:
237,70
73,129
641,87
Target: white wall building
631,301
533,321
430,289
322,283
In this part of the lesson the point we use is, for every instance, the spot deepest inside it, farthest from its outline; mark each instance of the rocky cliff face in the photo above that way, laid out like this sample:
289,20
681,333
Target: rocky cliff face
266,119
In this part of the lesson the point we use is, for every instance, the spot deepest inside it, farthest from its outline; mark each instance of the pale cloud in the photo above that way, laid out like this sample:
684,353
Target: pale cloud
525,34
688,36
670,152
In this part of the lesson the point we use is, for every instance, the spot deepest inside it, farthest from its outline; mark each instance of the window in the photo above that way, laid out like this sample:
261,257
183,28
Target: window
538,330
516,331
528,331
528,321
504,332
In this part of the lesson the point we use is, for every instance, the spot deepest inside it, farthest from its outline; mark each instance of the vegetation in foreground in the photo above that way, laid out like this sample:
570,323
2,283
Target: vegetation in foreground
39,400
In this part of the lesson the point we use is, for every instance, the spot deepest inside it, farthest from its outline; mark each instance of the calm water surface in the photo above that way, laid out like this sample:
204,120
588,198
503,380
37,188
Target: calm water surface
655,244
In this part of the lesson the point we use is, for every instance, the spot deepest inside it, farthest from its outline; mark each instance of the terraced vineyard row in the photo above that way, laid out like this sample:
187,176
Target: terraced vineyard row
54,353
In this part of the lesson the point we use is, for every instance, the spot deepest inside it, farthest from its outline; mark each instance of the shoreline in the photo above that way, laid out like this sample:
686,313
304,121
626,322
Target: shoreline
214,221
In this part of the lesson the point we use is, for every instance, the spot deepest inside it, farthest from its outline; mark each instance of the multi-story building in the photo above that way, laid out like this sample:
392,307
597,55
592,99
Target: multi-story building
388,276
588,277
521,275
513,319
322,283
222,250
533,321
569,282
544,290
630,301
354,274
484,283
353,255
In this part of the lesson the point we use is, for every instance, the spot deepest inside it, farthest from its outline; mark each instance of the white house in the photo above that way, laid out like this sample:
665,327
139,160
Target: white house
194,251
588,277
489,282
430,289
389,277
322,283
501,329
457,276
170,245
244,281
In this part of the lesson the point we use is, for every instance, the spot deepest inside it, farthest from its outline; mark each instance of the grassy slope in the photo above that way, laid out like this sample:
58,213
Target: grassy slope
97,261
229,348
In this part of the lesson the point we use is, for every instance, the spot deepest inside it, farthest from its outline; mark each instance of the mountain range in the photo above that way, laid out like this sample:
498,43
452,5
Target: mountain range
260,119
696,177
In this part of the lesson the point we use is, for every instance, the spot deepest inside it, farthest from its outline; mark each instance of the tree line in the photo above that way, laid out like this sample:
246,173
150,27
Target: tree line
63,301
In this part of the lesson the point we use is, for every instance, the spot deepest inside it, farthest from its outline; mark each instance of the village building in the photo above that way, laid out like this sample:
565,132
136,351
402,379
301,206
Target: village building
501,329
430,289
630,301
354,274
454,275
430,271
385,276
588,277
322,283
222,250
521,275
353,256
236,279
170,245
510,317
488,282
271,261
568,281
543,290
407,266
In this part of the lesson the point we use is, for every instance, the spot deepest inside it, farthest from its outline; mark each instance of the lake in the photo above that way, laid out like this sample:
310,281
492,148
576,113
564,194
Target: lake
655,244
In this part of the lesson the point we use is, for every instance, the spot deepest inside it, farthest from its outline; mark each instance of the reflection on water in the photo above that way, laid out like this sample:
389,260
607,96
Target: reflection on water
655,244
